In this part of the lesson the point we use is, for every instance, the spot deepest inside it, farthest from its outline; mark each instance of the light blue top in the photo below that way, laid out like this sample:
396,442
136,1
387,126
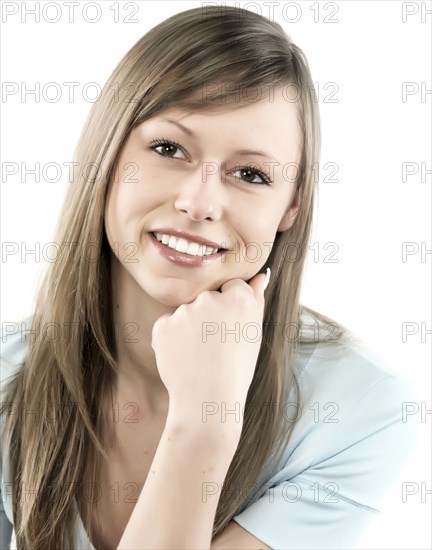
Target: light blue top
348,445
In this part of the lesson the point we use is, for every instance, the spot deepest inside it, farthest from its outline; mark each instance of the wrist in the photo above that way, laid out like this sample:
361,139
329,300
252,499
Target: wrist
196,425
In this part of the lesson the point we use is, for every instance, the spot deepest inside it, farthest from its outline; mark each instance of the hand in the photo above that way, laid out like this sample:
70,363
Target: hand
198,359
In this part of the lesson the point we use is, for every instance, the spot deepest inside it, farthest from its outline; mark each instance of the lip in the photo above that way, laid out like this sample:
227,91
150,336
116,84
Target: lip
183,259
187,236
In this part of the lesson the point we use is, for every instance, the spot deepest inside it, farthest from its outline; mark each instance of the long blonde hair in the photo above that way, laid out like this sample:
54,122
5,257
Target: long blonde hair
52,449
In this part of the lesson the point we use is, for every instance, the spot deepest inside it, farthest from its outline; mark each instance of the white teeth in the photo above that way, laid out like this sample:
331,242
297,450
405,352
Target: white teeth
182,245
193,249
172,242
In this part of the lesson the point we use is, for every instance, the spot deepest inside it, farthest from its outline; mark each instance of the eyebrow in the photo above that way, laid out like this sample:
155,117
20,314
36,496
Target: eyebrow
189,132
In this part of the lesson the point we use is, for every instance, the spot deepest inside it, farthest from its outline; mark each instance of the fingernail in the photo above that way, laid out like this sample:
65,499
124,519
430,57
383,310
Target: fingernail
267,278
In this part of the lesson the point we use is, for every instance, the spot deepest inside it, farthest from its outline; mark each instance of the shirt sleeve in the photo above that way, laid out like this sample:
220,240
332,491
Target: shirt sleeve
329,503
13,347
6,527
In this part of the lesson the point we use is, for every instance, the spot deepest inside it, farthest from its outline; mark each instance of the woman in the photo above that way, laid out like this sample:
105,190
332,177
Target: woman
164,400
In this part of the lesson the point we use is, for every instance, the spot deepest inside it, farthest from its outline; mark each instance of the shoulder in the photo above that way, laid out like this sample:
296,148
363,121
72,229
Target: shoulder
14,340
354,408
345,366
350,438
14,345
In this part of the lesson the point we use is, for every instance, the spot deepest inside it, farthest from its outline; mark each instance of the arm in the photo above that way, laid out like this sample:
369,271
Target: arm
171,511
235,537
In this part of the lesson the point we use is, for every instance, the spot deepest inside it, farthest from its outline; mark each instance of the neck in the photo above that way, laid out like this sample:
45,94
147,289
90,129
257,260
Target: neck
134,314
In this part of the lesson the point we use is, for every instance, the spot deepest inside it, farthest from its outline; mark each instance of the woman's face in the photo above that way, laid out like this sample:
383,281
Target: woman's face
190,172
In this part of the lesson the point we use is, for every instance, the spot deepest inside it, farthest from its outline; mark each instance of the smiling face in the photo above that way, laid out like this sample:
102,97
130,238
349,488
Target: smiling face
226,176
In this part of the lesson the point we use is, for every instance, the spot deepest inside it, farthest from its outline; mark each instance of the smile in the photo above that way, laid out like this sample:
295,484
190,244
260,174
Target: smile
182,245
172,251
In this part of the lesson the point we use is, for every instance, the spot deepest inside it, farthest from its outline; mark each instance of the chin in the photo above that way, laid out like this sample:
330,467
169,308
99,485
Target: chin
173,301
173,297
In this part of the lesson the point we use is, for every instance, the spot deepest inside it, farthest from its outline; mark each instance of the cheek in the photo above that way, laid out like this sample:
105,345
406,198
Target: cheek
257,233
261,227
111,221
131,198
143,186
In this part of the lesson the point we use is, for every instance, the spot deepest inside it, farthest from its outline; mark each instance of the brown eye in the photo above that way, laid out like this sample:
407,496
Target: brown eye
250,174
167,148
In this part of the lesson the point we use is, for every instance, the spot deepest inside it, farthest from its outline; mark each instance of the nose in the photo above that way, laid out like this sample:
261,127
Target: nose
201,193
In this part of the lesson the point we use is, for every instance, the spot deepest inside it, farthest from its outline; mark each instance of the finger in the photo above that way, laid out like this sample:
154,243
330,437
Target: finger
234,282
259,284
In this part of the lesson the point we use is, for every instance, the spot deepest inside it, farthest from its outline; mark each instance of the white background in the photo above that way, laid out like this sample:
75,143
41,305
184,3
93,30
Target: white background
372,49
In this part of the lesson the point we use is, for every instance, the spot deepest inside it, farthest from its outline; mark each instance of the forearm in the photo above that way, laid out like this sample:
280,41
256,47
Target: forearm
171,512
